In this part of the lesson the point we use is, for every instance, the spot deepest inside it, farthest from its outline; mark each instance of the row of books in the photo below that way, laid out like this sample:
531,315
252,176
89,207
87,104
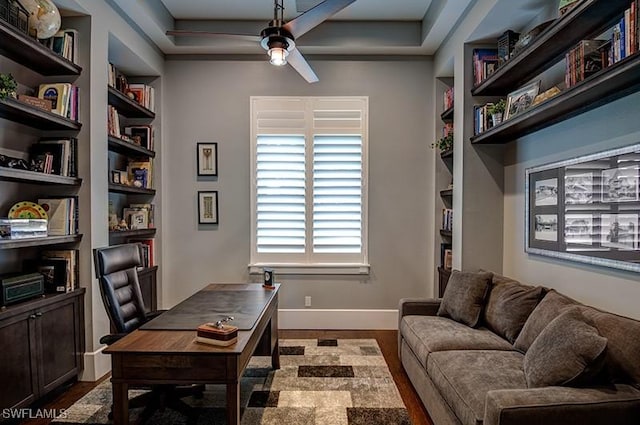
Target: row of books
448,98
62,215
55,156
582,61
481,118
64,97
59,268
140,173
139,216
485,62
447,129
147,251
65,44
447,219
139,92
446,257
625,37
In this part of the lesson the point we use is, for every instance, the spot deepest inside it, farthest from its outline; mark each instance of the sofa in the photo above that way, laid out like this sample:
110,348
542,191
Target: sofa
494,351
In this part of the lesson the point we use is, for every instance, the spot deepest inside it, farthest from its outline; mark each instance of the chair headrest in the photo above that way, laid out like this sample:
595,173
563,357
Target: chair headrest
115,258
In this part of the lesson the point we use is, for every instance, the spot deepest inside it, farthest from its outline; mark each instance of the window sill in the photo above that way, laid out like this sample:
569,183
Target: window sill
311,269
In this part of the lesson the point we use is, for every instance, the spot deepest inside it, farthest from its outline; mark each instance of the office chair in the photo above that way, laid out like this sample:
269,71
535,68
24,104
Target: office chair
118,280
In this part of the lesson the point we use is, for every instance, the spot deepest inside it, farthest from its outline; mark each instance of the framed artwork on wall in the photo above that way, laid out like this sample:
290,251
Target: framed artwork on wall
586,209
207,157
208,207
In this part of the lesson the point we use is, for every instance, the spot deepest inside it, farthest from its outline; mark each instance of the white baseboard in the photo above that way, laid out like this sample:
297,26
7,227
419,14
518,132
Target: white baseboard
337,319
96,365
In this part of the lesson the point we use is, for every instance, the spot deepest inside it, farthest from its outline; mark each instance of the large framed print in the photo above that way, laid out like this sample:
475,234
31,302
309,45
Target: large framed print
586,209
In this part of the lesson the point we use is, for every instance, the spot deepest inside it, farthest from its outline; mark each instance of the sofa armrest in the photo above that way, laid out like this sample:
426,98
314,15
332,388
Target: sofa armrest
418,307
615,404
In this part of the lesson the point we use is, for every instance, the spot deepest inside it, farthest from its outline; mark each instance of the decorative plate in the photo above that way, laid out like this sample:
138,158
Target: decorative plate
26,209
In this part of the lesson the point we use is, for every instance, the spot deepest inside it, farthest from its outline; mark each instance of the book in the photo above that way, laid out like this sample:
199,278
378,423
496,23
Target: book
141,135
54,272
70,256
58,211
58,94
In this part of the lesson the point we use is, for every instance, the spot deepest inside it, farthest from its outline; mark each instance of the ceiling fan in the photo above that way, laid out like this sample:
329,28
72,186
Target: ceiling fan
278,39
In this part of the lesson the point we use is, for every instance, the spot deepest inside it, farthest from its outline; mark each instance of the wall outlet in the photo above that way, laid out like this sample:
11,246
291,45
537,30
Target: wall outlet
307,301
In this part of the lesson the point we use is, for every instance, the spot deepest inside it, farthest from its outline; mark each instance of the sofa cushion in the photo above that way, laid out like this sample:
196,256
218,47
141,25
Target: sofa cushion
429,334
566,352
508,306
464,297
463,378
622,357
548,309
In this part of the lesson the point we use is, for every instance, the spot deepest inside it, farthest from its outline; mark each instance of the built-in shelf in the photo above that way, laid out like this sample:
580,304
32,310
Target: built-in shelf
613,82
121,188
128,107
28,52
445,233
447,116
446,193
114,234
31,116
13,174
37,242
448,154
589,17
127,148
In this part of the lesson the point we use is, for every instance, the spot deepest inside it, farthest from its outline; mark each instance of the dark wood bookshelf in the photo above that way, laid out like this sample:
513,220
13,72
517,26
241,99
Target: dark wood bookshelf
121,188
611,83
29,52
13,174
37,242
128,107
448,154
446,193
447,116
589,18
128,148
445,233
31,116
114,234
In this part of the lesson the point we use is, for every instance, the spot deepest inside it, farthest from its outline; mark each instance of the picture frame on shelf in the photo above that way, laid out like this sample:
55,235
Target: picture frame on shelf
208,207
520,100
207,158
115,177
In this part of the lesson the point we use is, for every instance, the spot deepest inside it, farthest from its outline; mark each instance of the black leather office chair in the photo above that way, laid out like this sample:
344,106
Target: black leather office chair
120,290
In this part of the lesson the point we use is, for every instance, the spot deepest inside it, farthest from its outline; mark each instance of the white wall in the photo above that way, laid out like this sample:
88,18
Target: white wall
209,101
610,126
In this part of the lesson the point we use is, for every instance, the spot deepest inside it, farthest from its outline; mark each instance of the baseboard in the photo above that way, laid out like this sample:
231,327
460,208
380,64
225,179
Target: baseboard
96,365
337,319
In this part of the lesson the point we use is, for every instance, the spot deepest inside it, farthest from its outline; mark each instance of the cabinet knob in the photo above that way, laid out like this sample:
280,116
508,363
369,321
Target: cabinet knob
32,316
38,314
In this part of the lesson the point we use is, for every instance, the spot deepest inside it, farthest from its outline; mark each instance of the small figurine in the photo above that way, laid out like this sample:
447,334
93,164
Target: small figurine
123,225
220,323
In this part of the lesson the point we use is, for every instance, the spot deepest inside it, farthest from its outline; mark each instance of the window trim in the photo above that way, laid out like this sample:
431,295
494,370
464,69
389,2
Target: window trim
330,266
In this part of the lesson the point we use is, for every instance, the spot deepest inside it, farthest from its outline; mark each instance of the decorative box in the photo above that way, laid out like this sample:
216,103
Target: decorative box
15,15
23,228
506,44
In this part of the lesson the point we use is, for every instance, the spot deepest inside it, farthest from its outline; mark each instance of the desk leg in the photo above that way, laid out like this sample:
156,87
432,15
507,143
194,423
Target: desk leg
120,404
233,403
275,356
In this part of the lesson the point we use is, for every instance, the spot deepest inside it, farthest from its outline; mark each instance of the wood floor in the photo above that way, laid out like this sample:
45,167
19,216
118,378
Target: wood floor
387,340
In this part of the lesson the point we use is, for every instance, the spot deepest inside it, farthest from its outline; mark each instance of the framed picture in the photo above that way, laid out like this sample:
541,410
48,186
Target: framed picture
115,177
207,156
208,207
586,209
520,100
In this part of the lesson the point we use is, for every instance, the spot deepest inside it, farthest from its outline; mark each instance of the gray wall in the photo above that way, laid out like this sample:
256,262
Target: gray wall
208,100
604,128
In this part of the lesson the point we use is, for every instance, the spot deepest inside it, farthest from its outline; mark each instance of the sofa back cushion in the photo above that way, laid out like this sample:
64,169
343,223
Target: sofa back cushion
464,297
508,306
622,359
548,309
569,351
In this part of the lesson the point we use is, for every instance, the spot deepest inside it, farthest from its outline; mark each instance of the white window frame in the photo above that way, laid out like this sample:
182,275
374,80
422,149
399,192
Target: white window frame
309,263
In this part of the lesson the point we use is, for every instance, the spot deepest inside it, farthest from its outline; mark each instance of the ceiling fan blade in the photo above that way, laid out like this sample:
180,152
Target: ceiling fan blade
300,64
188,33
315,16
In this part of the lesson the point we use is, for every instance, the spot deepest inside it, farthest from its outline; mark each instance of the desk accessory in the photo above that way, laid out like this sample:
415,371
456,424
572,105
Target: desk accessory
268,278
20,286
217,333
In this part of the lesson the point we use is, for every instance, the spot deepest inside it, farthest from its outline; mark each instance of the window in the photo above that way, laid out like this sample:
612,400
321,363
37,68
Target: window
309,184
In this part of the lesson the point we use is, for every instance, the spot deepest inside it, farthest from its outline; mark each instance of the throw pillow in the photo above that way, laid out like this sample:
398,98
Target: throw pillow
508,307
548,309
464,297
567,352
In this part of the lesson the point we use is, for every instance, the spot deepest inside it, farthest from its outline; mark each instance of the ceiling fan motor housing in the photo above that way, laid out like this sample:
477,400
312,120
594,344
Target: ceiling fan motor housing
275,36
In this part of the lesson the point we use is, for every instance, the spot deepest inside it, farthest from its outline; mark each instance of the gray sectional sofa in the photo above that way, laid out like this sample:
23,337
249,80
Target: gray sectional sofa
493,351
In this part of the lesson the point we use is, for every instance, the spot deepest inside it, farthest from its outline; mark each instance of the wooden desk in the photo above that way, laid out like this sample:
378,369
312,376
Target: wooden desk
172,357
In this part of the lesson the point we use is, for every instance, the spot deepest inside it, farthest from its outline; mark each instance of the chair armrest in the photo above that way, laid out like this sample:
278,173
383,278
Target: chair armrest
418,307
111,338
615,404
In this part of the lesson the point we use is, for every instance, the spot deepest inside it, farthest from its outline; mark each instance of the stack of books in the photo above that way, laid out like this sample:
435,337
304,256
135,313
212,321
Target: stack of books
224,336
64,98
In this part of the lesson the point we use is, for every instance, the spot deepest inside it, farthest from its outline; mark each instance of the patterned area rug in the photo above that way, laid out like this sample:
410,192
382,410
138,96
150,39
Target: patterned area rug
321,382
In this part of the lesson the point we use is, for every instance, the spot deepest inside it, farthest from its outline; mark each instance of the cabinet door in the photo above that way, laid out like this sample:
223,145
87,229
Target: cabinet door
58,334
18,377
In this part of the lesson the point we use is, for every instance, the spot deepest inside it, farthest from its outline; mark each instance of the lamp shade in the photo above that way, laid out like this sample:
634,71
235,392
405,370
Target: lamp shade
278,56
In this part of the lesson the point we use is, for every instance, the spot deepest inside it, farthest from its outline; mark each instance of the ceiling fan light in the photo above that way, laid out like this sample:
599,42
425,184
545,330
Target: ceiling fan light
278,56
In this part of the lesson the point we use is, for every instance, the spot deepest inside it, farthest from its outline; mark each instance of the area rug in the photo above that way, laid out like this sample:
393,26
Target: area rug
320,382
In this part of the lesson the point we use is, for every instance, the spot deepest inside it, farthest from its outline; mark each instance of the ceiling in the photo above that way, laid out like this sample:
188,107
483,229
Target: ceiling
400,27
